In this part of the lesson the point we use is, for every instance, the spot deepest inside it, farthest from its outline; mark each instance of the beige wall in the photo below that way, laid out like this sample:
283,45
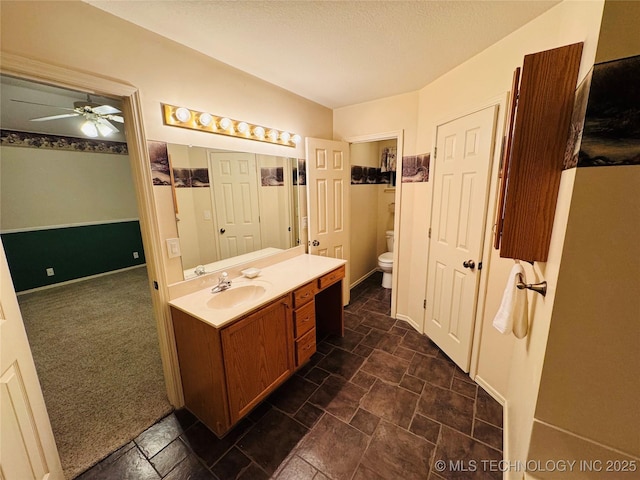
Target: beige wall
44,188
589,383
370,216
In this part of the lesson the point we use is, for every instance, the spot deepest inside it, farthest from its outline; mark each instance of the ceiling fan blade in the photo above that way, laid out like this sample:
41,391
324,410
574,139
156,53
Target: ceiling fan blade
54,117
105,127
105,109
115,118
41,104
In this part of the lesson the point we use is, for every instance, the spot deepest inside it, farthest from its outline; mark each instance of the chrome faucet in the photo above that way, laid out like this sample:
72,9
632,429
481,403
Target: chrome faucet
223,283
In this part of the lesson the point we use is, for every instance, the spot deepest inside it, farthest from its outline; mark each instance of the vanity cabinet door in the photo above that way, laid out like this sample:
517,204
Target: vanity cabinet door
258,356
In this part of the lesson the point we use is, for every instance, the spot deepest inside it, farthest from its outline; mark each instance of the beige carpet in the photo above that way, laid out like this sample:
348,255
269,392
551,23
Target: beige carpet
96,351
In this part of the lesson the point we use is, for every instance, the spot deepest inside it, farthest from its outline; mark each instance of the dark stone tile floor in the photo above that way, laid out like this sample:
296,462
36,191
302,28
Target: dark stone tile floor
381,403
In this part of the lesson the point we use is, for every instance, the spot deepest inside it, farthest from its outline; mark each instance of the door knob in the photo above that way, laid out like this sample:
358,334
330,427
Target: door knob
222,230
469,264
315,243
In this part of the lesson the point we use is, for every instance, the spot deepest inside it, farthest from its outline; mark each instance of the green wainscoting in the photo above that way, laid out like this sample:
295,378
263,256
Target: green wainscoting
72,252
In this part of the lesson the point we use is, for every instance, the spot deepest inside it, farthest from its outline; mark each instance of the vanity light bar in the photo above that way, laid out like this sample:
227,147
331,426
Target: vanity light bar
206,122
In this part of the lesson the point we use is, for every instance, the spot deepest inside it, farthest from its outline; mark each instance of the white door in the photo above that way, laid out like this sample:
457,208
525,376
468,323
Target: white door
328,183
235,191
27,447
464,149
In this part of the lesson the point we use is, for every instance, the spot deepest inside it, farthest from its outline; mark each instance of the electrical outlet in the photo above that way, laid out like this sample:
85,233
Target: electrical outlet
136,255
50,272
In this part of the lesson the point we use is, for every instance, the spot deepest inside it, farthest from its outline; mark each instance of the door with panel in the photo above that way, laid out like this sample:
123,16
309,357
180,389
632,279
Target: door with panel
328,183
235,192
28,449
464,150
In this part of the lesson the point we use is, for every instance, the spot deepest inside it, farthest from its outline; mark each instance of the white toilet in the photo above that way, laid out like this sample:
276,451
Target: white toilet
385,261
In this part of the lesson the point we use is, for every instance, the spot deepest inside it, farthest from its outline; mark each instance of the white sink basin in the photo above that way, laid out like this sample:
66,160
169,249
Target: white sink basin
237,295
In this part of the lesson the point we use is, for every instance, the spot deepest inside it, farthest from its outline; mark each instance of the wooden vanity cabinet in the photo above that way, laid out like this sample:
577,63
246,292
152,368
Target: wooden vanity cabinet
227,371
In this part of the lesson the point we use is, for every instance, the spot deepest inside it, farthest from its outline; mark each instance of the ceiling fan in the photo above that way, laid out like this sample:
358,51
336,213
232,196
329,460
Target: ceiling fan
98,117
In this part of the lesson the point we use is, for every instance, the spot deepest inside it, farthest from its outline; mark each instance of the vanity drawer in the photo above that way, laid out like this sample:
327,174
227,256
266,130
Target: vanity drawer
304,318
303,294
305,347
331,277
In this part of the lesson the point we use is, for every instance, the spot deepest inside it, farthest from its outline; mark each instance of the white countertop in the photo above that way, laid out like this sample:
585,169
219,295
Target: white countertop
281,278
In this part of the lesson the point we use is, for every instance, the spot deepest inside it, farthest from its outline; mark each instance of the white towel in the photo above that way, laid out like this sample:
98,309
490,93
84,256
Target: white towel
513,313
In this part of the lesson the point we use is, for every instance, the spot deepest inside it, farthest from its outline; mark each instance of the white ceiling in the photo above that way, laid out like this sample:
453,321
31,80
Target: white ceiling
335,53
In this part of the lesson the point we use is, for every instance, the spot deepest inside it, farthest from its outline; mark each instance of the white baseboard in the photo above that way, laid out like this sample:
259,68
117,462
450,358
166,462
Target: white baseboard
76,280
409,320
363,278
490,390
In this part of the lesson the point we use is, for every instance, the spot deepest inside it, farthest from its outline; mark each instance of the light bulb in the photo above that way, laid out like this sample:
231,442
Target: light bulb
205,119
183,114
273,135
89,129
105,129
258,132
285,137
296,139
243,127
225,123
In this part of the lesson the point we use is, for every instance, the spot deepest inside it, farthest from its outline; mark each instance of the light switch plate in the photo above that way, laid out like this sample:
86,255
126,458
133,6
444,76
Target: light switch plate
173,247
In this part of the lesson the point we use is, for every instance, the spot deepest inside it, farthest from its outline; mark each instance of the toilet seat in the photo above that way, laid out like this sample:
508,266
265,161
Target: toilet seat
386,257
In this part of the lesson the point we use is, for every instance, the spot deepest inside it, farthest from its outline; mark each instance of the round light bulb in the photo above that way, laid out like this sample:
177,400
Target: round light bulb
285,137
296,139
205,119
258,132
225,123
183,114
89,129
243,127
273,135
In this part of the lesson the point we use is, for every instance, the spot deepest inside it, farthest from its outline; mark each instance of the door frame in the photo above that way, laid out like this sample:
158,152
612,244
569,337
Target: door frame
30,69
398,135
491,204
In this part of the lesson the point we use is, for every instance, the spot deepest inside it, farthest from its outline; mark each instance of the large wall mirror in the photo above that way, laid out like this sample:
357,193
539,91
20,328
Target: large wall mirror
233,207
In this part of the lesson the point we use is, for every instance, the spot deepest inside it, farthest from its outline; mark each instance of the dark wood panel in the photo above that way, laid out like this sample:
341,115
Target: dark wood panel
541,130
506,157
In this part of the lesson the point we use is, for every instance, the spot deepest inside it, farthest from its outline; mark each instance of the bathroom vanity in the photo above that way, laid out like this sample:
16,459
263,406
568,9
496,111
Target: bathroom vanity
233,355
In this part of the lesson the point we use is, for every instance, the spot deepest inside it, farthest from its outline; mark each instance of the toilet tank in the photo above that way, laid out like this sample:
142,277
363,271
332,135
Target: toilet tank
389,235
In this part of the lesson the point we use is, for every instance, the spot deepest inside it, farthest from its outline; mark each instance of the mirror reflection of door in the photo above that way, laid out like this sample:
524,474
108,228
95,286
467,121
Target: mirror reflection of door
235,192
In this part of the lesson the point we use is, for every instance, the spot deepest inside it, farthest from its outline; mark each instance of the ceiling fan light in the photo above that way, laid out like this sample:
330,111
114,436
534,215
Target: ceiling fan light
89,129
105,130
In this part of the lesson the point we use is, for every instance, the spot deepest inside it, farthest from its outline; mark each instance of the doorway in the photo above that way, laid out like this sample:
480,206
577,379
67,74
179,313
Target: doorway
375,199
99,354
